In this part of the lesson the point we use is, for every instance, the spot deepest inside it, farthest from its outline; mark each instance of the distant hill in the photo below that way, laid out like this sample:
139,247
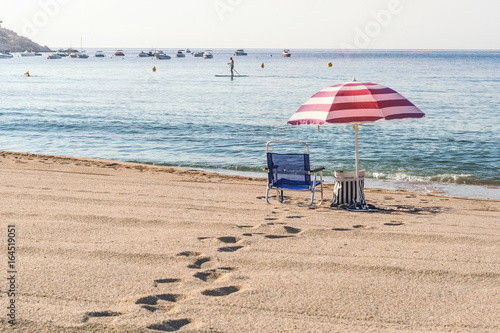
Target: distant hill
10,41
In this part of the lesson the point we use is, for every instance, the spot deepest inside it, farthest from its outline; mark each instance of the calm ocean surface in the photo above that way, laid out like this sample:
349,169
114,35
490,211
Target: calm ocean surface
183,116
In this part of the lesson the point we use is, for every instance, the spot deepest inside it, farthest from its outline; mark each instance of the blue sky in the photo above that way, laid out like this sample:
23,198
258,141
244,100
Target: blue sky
324,24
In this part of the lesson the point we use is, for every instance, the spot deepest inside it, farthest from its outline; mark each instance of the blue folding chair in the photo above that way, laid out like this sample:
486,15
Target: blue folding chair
292,172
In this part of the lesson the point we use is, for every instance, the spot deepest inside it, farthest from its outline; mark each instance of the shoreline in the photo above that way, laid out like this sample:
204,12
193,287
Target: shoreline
106,246
472,191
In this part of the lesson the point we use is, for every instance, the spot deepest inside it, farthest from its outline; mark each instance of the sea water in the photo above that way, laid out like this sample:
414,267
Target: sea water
182,115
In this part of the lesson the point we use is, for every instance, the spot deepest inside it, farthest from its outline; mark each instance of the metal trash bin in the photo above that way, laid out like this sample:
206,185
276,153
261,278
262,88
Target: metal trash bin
344,191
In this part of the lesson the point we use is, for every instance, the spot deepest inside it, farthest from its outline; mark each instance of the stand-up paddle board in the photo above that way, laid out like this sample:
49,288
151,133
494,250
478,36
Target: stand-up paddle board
230,75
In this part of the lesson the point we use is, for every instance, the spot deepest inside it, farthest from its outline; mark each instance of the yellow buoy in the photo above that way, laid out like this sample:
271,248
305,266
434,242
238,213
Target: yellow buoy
262,65
27,73
154,69
330,64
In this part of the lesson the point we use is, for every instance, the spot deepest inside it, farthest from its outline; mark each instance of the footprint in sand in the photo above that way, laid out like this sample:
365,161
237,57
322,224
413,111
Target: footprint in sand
394,223
292,230
224,291
190,254
170,325
341,229
101,316
230,248
289,230
163,302
214,274
163,281
230,240
277,236
202,262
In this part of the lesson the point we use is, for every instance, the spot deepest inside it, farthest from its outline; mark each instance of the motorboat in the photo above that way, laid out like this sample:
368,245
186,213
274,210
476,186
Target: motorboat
27,54
6,55
99,54
240,52
119,53
62,54
144,54
180,54
38,54
208,54
162,56
54,56
188,51
197,54
286,53
73,55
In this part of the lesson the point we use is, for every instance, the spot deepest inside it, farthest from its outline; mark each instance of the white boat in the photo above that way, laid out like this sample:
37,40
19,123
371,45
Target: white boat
99,54
180,54
119,53
162,56
27,54
197,54
73,54
208,54
62,54
286,53
240,52
144,55
81,54
188,51
6,55
54,56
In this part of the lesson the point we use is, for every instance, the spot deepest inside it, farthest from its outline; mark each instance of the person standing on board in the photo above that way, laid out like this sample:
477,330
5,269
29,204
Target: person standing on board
231,63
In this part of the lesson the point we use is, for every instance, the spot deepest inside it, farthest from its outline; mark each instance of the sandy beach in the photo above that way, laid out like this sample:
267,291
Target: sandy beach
105,246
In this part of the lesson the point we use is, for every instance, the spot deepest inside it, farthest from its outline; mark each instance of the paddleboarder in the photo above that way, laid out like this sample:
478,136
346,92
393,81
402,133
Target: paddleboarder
231,63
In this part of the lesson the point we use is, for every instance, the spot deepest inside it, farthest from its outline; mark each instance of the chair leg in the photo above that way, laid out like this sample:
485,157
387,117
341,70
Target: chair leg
267,195
314,189
312,196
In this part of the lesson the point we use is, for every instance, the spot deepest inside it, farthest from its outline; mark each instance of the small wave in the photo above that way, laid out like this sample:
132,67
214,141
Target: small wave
442,178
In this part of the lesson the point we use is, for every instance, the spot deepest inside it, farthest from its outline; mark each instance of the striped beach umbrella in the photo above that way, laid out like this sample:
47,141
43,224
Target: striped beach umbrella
354,102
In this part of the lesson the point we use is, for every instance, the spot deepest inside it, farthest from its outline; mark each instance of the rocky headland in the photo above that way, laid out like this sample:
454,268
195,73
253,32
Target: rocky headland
11,41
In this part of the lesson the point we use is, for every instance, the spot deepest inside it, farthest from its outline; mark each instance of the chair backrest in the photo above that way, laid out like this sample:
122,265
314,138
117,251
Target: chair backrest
289,169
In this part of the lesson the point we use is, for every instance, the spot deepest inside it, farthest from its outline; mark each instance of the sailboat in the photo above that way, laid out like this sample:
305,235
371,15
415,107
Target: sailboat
81,55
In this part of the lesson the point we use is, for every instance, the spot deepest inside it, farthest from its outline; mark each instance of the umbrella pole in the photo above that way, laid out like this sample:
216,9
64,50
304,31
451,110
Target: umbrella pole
357,163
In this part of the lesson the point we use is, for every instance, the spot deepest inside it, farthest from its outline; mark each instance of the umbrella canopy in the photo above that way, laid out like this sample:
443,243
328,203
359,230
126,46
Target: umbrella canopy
354,102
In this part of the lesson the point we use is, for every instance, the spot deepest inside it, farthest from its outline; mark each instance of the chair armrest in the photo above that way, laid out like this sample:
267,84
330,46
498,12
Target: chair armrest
318,169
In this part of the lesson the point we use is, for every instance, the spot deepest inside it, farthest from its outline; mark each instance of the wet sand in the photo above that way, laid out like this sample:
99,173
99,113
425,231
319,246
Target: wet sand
105,246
